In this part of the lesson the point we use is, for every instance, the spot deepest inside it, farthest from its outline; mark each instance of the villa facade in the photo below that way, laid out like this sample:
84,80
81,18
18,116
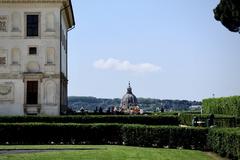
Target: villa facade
33,56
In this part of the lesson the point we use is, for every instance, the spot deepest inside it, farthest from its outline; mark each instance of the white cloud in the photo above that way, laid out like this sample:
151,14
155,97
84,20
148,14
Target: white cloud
124,65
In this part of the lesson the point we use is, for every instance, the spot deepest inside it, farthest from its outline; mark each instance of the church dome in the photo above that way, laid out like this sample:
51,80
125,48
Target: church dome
129,99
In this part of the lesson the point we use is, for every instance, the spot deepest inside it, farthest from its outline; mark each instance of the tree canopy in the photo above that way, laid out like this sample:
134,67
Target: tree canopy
228,12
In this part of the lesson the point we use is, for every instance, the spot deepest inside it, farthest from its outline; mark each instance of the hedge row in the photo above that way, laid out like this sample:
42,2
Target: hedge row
238,121
225,141
225,105
135,135
219,120
126,119
161,136
47,133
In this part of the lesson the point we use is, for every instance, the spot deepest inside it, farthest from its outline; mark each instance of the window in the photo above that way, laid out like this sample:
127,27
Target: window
32,50
32,25
2,60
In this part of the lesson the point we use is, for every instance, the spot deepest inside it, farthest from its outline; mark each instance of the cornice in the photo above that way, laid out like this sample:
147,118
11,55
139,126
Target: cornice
33,1
65,4
8,76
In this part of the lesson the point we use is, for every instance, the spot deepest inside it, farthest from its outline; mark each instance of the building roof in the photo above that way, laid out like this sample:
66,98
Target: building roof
67,5
129,99
71,19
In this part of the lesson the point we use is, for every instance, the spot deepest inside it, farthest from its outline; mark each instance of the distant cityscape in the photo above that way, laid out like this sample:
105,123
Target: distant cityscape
147,104
129,104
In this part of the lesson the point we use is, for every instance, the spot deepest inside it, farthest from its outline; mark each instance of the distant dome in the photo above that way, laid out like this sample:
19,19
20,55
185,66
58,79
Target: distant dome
128,100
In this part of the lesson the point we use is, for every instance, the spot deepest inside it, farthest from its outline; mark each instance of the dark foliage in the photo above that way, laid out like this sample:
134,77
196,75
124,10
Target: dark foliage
219,120
127,119
224,105
39,133
160,136
238,121
228,12
225,141
135,135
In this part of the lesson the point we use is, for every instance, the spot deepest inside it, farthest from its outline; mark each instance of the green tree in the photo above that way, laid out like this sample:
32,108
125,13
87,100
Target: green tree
228,12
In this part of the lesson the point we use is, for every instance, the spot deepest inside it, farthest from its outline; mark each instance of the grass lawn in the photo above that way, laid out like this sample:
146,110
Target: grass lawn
103,152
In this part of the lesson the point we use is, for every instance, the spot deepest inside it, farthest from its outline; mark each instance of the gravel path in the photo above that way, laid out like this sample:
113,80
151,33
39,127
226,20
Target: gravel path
17,151
215,156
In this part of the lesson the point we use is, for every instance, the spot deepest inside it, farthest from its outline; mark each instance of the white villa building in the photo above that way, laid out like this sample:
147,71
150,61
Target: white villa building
33,56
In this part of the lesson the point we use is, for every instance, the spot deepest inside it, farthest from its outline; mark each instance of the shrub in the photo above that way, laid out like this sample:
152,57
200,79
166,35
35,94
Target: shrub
225,141
224,105
238,121
127,119
219,120
136,135
42,133
160,136
164,113
186,118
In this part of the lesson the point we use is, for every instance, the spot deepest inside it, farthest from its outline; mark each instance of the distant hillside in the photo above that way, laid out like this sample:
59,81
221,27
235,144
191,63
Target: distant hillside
147,104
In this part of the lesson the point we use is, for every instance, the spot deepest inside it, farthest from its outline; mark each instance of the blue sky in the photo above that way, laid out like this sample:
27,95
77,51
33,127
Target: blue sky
167,49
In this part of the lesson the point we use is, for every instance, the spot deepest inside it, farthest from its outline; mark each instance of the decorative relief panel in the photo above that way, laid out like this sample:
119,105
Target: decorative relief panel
3,57
6,91
33,67
2,60
3,23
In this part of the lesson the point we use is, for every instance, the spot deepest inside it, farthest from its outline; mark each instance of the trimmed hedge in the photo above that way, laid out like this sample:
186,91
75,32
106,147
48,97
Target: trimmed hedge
161,136
186,119
238,121
126,119
135,135
46,133
219,120
225,141
224,105
164,113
